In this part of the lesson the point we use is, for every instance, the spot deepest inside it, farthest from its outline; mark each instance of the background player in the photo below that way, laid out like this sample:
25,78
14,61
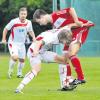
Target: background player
19,28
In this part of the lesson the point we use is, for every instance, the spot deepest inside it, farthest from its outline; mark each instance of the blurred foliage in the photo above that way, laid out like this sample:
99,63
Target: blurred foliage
1,1
9,9
37,3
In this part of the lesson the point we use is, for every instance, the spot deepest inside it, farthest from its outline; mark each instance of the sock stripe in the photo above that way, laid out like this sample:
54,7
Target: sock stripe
32,73
29,77
27,74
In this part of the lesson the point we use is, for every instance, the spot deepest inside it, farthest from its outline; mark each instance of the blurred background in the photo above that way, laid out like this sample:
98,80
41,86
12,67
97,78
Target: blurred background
87,9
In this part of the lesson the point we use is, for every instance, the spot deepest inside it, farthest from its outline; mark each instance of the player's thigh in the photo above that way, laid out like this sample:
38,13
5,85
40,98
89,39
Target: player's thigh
61,59
13,49
74,48
48,56
35,62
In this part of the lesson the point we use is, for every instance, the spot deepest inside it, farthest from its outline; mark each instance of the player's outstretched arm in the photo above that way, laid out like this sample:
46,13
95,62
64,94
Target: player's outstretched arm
31,33
37,47
72,25
75,17
4,35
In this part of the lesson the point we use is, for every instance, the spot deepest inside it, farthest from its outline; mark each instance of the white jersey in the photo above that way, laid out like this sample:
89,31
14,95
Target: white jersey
49,37
19,30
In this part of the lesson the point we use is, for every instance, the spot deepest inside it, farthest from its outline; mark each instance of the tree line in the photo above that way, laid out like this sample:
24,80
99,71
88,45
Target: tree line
9,9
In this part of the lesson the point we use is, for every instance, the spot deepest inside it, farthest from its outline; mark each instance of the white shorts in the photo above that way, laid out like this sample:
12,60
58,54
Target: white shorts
17,49
47,56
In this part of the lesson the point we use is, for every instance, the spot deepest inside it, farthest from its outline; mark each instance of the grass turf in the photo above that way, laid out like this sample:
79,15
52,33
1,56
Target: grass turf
45,85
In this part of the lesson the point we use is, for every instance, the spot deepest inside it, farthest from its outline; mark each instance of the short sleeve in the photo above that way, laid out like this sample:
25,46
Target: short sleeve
9,25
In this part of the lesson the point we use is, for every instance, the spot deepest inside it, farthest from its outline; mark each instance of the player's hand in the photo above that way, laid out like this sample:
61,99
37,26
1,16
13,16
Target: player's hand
79,23
88,24
3,41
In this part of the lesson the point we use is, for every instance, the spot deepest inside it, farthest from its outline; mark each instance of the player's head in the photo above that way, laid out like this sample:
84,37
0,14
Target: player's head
23,13
40,16
65,36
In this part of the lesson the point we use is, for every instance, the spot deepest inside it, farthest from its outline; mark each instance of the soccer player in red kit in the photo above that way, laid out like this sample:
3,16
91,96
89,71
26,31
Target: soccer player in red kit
60,19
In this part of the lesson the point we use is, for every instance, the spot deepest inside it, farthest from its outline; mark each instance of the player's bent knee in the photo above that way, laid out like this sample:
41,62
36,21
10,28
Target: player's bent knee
15,58
73,51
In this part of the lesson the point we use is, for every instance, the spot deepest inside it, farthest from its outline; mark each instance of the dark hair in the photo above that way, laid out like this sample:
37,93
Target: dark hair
23,9
37,14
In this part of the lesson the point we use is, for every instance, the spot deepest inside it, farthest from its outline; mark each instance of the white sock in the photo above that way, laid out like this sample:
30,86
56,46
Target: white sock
11,65
28,77
62,74
20,67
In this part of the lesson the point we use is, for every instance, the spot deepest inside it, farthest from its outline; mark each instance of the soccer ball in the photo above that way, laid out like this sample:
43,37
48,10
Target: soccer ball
69,80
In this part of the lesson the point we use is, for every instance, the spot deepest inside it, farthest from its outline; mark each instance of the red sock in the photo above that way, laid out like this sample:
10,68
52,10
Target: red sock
76,64
68,69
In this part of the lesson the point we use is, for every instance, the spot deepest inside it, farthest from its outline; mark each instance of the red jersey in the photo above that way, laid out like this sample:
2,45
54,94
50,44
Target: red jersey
63,17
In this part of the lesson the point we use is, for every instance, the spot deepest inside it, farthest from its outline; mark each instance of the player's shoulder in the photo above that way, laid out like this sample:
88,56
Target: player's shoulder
12,21
28,21
15,19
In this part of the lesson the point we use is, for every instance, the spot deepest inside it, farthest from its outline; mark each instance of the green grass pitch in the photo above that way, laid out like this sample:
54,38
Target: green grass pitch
45,85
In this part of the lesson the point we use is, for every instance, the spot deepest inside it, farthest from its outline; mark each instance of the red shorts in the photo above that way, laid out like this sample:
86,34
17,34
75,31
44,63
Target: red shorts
79,34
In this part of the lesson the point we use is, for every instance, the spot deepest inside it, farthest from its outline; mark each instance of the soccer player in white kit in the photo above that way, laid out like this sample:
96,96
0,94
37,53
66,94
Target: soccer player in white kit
19,28
38,52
